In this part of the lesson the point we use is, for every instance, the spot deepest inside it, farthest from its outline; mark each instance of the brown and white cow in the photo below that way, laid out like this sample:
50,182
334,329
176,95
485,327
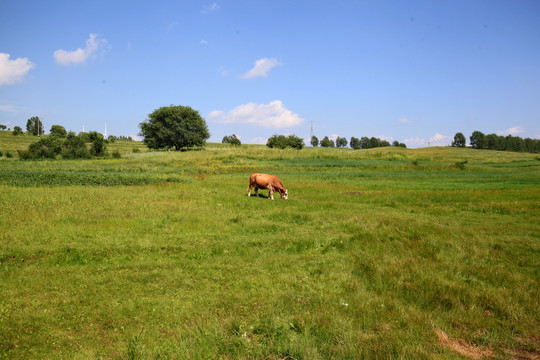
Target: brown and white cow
266,181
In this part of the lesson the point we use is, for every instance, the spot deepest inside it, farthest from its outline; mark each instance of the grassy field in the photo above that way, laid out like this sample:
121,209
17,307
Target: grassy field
386,253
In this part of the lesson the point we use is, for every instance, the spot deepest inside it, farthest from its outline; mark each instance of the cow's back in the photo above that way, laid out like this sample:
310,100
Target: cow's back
264,180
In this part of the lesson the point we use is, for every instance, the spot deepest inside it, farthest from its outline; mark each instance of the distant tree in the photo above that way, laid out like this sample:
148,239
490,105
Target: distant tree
74,147
46,147
17,130
295,142
459,140
375,142
3,127
402,145
341,142
395,143
515,143
355,143
365,143
34,126
98,145
232,139
383,143
57,130
179,127
492,142
314,141
325,142
477,140
277,141
281,142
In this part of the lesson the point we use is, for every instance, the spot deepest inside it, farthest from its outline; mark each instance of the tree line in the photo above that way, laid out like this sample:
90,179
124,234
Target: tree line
68,145
355,143
479,140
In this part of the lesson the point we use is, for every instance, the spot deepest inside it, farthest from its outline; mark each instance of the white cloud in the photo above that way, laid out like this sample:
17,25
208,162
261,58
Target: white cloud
210,8
13,71
204,42
273,115
387,138
404,121
215,113
435,140
512,131
258,140
415,142
440,140
93,46
261,68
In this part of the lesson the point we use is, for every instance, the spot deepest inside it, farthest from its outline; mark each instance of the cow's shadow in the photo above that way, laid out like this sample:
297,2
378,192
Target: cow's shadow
259,196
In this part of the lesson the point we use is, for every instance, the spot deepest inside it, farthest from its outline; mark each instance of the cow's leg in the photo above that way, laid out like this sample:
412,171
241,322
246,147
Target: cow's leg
256,191
270,192
249,189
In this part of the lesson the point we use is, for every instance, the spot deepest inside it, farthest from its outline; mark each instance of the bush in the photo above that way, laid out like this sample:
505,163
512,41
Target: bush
136,150
45,148
58,130
282,142
116,154
17,130
74,147
232,139
99,145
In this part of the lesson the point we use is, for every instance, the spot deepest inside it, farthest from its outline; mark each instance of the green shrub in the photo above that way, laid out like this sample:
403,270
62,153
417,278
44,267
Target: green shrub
281,142
136,150
74,147
47,147
116,154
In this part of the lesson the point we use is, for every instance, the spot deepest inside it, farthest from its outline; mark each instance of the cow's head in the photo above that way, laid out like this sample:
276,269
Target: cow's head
285,195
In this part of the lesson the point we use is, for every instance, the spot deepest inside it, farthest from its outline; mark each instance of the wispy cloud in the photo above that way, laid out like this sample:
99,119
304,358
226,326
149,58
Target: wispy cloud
261,68
93,46
204,42
210,8
404,121
273,115
8,108
512,131
13,71
258,140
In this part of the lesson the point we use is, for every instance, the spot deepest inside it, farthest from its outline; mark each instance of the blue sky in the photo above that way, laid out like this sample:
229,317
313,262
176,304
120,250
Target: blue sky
413,71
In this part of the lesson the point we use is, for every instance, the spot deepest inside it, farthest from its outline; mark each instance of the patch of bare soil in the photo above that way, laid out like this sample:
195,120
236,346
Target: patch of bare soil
462,347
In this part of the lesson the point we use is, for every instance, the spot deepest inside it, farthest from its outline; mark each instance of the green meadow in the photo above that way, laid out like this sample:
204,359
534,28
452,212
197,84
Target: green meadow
385,253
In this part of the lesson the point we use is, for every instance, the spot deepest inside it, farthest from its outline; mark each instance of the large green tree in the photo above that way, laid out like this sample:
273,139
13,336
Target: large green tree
179,127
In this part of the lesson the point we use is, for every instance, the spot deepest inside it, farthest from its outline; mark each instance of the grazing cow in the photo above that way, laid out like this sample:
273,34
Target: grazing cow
265,181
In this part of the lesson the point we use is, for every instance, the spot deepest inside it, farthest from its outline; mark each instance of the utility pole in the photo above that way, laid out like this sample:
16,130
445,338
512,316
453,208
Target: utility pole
312,129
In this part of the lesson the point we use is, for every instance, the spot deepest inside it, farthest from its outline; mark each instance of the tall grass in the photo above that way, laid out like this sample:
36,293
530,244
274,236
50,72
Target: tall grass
375,255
